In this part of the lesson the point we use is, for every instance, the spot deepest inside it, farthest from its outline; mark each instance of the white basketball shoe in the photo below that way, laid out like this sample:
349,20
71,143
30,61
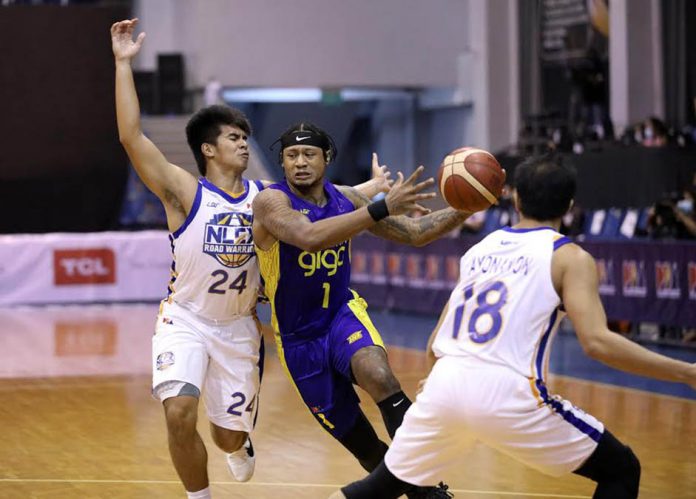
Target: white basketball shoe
241,463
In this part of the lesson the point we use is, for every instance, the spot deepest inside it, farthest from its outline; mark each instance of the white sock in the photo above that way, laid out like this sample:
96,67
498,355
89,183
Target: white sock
201,494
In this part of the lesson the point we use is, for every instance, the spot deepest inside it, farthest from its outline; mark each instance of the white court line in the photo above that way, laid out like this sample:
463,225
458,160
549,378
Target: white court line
277,484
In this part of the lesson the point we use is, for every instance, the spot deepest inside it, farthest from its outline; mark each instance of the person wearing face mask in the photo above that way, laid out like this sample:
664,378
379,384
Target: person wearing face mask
684,212
654,133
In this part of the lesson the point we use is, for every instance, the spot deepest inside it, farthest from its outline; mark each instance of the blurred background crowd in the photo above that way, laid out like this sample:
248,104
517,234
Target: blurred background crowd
610,85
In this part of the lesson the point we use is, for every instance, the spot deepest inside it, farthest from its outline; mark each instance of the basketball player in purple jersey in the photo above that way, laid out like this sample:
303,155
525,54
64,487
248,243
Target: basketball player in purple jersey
207,334
302,229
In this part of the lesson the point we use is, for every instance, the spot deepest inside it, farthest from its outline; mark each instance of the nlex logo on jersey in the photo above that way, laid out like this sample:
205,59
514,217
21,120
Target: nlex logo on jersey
228,239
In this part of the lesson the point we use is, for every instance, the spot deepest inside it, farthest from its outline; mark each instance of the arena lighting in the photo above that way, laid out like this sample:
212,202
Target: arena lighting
272,95
308,94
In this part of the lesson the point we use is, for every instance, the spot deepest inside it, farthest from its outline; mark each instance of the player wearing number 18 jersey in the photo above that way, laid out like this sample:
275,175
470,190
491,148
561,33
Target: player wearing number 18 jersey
492,343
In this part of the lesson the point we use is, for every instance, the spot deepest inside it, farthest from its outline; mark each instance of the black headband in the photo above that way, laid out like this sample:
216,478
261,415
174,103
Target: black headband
306,138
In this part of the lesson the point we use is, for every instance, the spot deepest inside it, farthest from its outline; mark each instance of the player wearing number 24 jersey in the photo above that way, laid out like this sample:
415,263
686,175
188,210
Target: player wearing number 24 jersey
492,344
207,339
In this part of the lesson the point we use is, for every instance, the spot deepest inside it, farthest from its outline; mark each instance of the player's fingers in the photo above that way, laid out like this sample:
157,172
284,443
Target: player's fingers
139,40
424,185
399,178
421,209
375,163
424,195
417,173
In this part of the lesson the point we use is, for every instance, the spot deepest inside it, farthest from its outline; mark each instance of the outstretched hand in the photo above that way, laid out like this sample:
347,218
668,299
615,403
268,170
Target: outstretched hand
405,195
381,175
122,39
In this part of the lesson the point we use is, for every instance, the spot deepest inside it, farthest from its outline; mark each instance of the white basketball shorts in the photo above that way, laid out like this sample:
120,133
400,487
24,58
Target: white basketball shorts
220,359
464,401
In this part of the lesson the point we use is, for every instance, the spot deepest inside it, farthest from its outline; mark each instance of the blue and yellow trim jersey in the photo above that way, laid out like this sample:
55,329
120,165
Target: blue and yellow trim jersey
307,289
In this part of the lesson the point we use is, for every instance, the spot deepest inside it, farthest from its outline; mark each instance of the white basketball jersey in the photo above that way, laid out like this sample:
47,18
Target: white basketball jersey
505,310
214,272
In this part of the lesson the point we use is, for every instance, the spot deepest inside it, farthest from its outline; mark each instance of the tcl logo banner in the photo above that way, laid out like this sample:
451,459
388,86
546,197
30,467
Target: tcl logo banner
84,266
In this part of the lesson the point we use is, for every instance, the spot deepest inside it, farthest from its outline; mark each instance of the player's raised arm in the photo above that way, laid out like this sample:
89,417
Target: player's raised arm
380,181
576,271
169,182
274,218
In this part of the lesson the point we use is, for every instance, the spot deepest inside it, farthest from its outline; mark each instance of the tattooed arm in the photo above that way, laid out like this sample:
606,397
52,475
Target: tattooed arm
413,231
274,218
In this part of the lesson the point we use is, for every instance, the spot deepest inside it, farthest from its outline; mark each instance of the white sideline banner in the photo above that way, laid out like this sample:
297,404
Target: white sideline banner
84,267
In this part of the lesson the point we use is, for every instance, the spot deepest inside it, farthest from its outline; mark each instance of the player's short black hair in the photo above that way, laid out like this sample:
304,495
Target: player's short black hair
204,128
545,187
309,134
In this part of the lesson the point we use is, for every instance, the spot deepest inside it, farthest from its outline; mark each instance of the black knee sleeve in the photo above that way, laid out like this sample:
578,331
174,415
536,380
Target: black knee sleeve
614,467
362,441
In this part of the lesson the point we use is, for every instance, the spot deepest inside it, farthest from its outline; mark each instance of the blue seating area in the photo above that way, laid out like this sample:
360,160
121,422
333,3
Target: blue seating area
611,223
616,223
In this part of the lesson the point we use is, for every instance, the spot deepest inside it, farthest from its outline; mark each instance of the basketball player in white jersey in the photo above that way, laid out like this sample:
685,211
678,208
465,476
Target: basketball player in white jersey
207,333
492,343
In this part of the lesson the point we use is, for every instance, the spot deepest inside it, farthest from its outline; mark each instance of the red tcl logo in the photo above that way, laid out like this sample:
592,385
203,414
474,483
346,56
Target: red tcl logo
84,266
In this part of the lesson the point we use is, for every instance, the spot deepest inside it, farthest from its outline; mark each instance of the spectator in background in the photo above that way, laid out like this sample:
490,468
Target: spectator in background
654,133
684,213
673,216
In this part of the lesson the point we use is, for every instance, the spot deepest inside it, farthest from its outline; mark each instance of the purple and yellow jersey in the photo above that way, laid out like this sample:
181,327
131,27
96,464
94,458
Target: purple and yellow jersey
306,290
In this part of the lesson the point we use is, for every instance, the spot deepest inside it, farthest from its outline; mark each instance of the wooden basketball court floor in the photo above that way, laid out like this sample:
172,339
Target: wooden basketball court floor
77,421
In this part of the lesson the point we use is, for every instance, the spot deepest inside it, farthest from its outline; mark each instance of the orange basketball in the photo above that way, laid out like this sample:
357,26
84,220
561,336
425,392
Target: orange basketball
470,179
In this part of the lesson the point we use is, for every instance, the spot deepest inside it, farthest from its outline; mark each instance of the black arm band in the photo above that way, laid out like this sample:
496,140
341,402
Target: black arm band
378,210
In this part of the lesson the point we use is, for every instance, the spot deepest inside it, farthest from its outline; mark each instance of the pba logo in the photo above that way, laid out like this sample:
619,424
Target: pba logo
452,268
692,280
394,264
667,280
633,277
377,264
84,266
433,263
359,262
227,238
607,282
413,266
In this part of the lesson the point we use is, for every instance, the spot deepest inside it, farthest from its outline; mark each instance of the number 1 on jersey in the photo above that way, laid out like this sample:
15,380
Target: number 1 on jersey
327,290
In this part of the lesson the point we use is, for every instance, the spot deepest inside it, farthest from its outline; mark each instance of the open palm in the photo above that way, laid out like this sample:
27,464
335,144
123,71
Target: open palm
122,42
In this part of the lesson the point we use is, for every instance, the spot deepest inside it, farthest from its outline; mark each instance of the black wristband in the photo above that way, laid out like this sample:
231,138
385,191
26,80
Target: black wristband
378,210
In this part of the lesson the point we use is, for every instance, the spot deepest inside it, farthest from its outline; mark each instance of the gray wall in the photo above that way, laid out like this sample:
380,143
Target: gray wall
635,67
406,43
